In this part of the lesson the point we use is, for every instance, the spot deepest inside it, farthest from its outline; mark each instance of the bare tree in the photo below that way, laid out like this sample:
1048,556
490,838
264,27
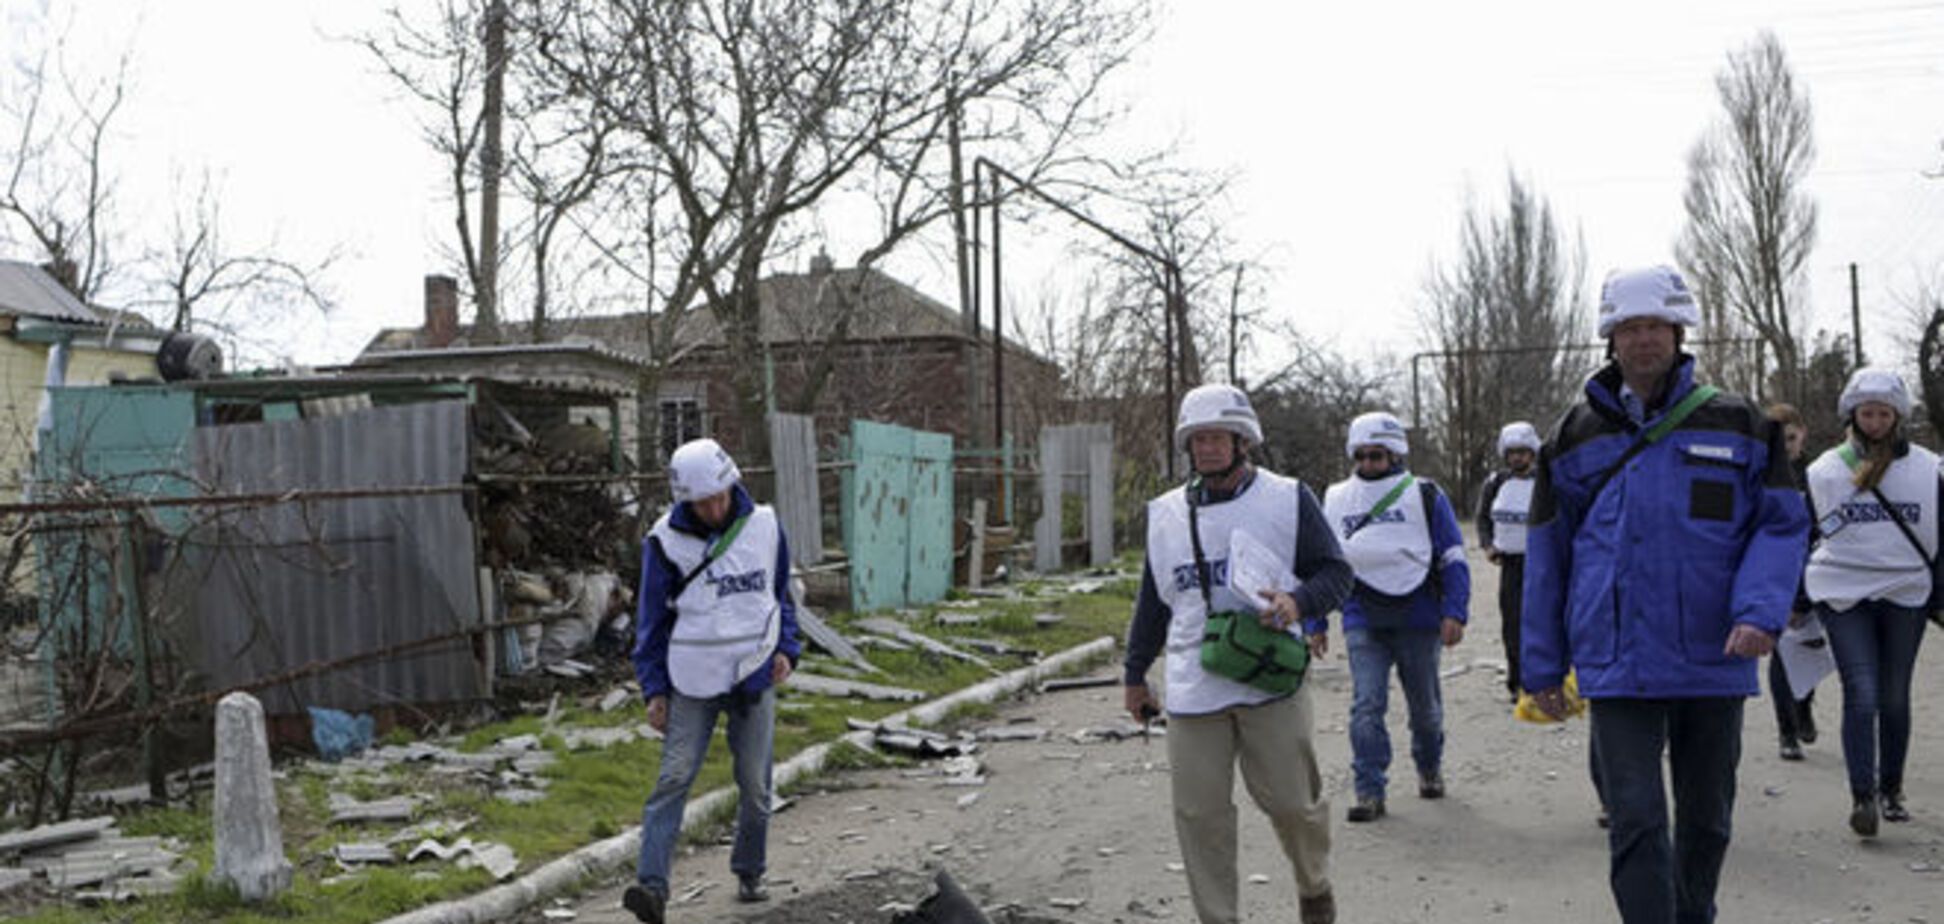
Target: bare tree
755,113
1501,315
202,281
1750,227
59,187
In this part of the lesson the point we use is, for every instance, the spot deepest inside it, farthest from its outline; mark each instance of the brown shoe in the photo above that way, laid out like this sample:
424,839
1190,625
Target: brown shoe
1319,909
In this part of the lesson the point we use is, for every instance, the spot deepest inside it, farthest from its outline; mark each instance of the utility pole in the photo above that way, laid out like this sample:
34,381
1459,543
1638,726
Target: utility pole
1856,320
968,298
493,112
998,327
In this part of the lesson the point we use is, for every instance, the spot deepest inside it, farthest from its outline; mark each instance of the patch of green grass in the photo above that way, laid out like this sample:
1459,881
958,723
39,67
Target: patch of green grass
592,795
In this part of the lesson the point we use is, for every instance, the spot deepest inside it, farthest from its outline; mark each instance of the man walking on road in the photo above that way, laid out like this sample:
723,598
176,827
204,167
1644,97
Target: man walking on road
1665,542
1503,506
1229,511
716,634
1412,594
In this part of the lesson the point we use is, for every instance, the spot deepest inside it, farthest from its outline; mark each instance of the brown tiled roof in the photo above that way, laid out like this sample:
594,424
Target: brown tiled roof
795,308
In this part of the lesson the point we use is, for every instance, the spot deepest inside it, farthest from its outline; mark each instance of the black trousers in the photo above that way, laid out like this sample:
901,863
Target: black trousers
1790,715
1511,600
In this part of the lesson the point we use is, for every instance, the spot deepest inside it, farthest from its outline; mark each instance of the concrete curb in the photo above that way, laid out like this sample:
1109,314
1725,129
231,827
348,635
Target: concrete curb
567,873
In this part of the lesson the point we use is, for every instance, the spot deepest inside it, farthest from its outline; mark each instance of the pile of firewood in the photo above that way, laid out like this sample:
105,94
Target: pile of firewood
532,518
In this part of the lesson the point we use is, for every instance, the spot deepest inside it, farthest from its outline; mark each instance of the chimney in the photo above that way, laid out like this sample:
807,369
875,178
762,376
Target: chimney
65,273
821,264
441,311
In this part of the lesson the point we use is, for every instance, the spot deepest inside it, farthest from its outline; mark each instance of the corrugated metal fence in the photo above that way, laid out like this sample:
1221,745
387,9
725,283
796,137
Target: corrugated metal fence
291,584
1075,459
799,502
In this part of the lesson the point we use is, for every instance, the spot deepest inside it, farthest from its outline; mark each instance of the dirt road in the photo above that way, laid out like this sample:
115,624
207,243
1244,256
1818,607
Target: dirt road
1058,823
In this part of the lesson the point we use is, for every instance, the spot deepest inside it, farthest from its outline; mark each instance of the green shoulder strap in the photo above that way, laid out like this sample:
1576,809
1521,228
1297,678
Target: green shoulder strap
1847,452
1679,412
1397,490
1383,503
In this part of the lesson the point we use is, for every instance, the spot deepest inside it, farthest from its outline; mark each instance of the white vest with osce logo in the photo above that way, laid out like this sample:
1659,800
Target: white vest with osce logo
1862,555
1393,553
1511,507
1267,510
727,620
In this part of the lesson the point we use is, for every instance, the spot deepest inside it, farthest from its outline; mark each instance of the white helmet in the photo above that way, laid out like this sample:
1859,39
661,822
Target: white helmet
1649,292
1377,428
1217,407
1518,435
699,469
1874,384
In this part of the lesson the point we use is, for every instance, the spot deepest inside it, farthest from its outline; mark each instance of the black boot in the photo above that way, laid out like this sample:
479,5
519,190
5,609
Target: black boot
1863,817
1893,805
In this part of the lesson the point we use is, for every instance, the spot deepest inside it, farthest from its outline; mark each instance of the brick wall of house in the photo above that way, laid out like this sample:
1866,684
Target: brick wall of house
915,383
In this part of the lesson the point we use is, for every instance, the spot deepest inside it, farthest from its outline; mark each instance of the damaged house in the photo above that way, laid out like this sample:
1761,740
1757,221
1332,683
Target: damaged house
839,344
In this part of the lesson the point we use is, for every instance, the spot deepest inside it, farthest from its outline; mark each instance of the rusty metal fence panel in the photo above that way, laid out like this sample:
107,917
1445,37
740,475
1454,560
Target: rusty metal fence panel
291,584
799,503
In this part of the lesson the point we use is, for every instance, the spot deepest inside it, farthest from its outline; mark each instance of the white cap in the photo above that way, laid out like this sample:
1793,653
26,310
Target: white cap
1217,407
1649,292
1518,435
1377,428
1872,383
699,469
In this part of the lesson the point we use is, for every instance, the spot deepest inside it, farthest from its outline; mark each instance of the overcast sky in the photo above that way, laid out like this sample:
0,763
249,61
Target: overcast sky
1358,131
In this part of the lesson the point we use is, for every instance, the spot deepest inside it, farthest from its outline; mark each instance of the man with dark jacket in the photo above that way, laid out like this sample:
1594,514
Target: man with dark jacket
1504,505
1665,542
716,634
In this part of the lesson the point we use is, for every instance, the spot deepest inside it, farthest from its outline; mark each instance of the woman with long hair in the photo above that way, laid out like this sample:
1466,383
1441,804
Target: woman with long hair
1872,575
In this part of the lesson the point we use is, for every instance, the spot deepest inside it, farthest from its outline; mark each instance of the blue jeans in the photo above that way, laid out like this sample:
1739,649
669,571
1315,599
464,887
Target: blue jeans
1653,881
1415,654
691,722
1875,645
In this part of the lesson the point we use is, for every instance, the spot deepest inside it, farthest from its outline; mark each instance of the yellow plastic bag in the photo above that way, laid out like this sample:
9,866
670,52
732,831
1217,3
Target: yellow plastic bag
1529,711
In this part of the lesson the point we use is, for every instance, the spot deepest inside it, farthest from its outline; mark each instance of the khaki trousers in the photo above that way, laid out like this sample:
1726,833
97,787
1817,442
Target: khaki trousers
1275,745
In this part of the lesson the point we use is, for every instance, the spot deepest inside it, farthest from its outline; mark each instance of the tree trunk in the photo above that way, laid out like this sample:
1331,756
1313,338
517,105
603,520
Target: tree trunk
493,111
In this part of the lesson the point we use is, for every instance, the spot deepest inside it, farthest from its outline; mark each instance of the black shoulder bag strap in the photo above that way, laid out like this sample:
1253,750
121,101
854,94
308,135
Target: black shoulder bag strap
1202,577
1653,434
1902,527
1427,490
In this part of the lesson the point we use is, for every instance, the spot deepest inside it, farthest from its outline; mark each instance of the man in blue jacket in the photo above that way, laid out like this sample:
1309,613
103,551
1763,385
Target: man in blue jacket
1412,594
1665,541
716,634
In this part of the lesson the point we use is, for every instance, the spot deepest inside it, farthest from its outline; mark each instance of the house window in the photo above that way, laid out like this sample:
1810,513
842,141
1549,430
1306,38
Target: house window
681,421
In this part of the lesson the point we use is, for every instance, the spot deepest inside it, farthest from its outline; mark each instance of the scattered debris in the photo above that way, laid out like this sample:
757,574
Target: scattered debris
346,810
899,631
961,619
1012,733
1455,670
966,800
1067,904
46,836
71,857
832,686
358,854
1047,620
857,875
948,904
615,699
498,860
1059,684
1258,879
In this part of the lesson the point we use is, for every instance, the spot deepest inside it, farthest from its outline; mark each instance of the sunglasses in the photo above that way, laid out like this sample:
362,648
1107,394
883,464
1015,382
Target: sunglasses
1371,455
